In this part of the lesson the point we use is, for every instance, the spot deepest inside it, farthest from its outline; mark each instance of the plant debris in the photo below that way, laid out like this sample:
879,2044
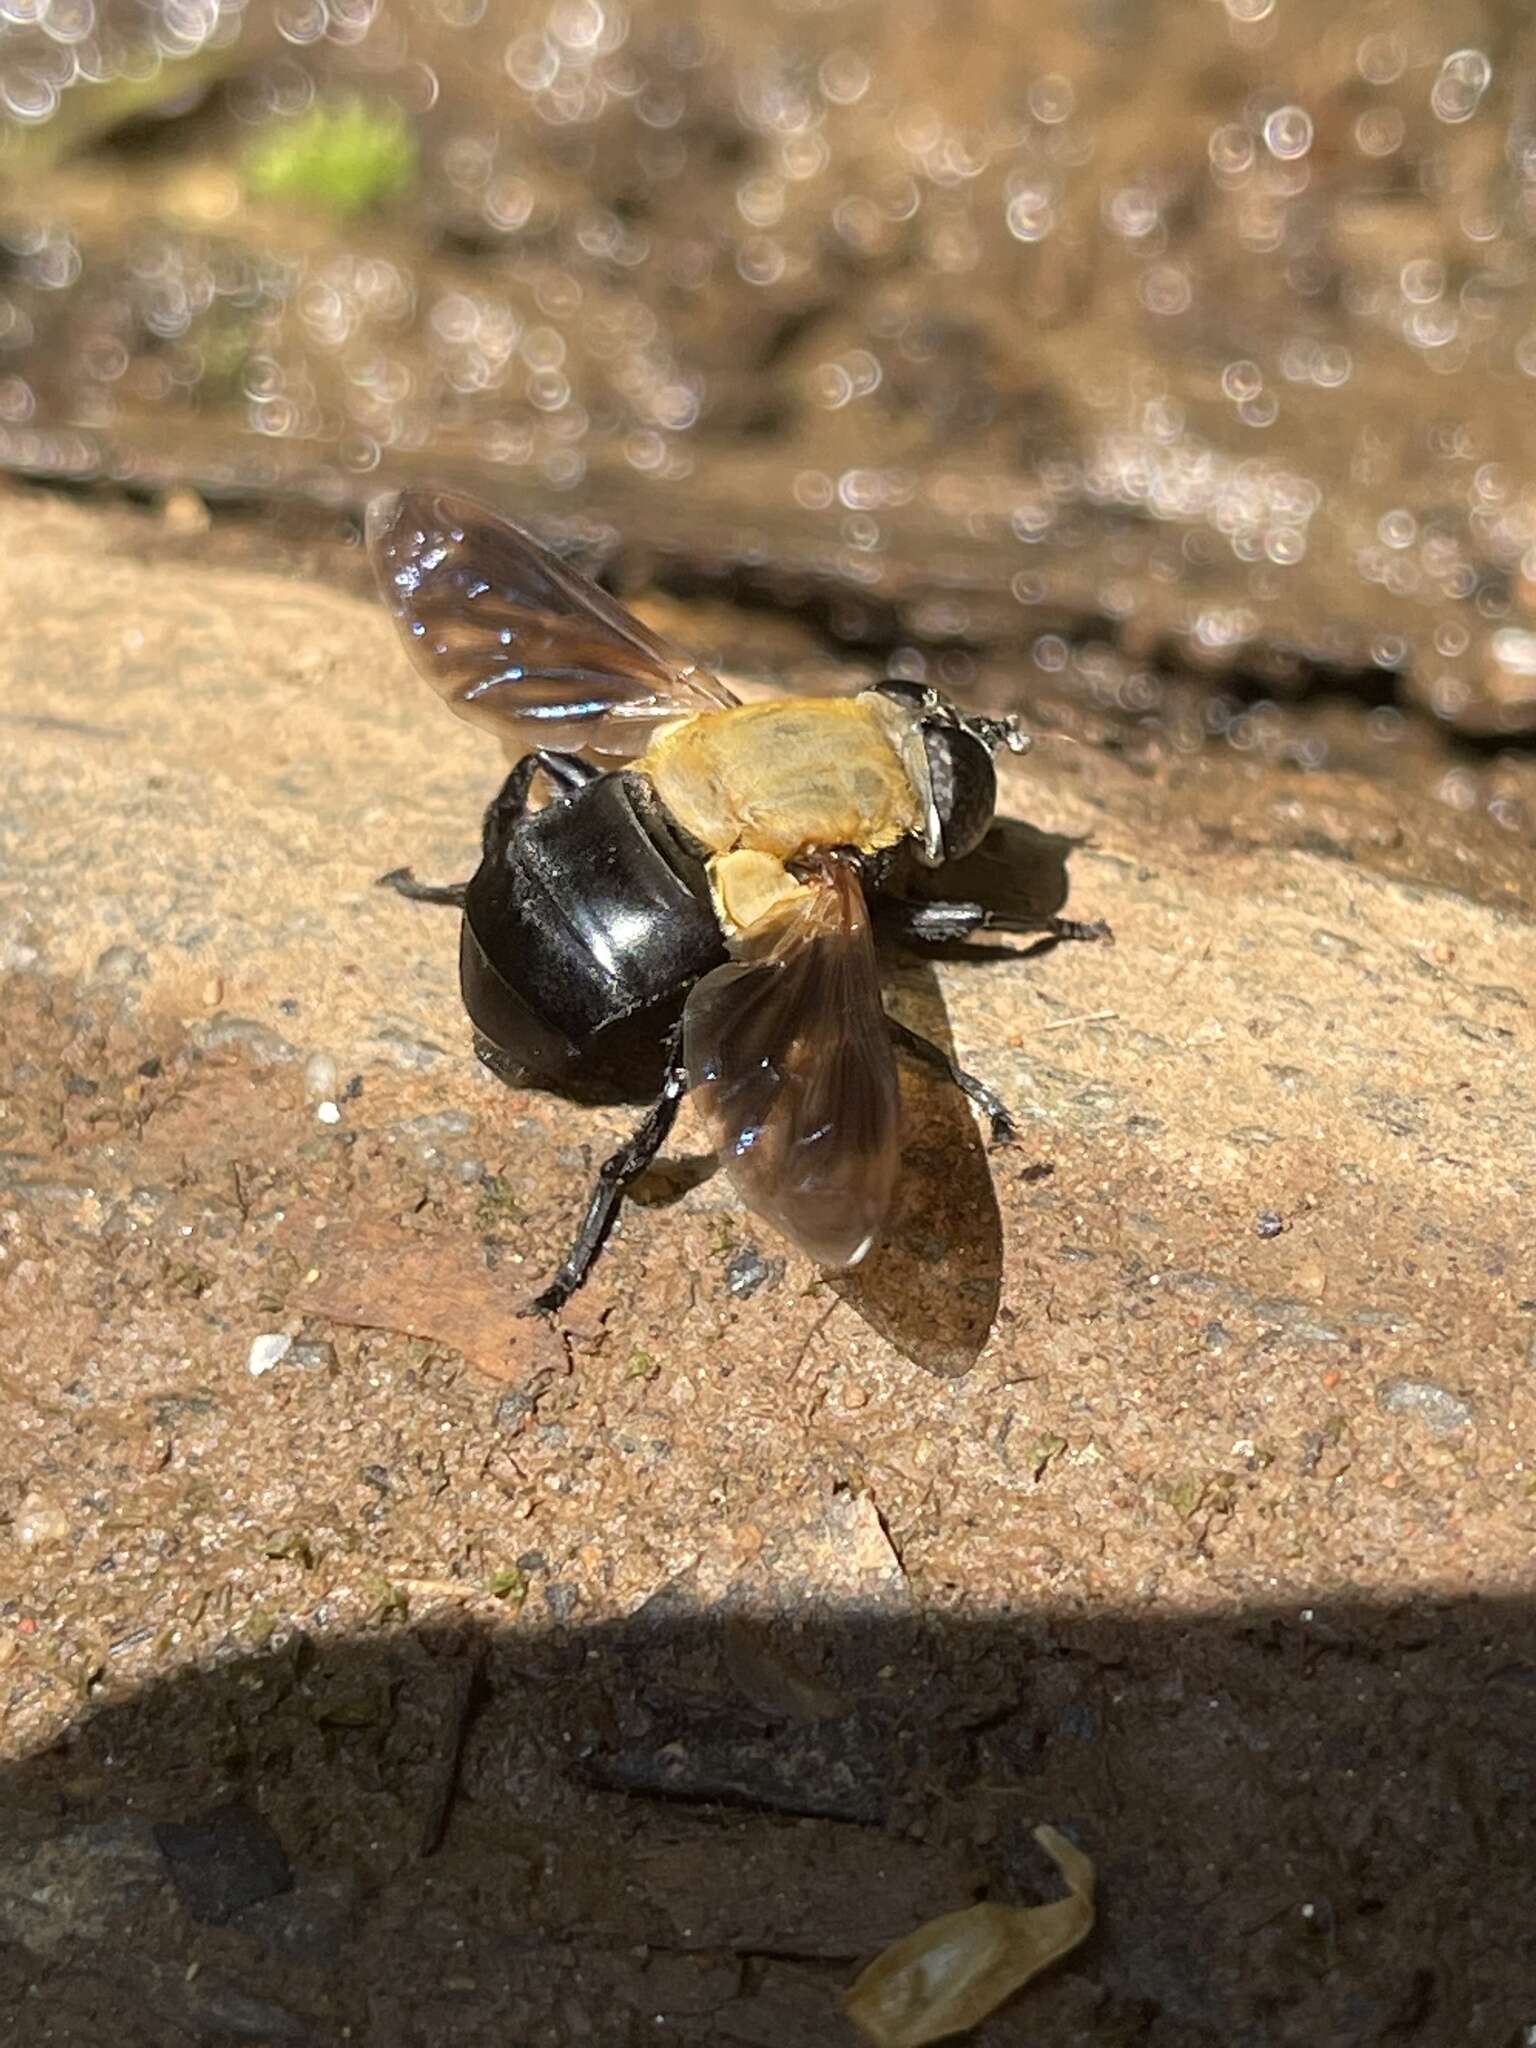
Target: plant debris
381,1279
949,1974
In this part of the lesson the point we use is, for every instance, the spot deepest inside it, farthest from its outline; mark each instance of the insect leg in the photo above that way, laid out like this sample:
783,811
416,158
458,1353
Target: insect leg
1095,931
613,1180
566,771
404,883
1003,1127
941,924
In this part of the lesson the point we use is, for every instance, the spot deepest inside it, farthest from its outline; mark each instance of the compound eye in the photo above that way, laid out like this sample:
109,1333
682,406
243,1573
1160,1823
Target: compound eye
964,786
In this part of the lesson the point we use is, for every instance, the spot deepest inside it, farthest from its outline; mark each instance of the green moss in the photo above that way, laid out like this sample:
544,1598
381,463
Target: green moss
1196,1493
390,1603
258,1627
496,1205
343,156
1183,1495
508,1584
1044,1452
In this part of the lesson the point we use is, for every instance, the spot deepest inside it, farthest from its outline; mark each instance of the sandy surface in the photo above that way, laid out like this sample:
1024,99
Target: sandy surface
1168,1478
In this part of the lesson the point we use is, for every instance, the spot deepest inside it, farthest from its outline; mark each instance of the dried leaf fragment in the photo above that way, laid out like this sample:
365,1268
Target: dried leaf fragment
381,1279
950,1973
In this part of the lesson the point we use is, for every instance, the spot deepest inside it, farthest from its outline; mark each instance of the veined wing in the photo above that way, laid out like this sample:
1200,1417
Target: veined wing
790,1059
512,638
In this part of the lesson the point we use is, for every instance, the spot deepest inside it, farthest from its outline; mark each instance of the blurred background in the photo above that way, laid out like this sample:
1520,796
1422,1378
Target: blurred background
1162,366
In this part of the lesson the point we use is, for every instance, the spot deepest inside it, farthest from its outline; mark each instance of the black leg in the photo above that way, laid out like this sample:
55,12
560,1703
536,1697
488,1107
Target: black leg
1095,931
613,1180
1003,1127
565,771
404,883
942,924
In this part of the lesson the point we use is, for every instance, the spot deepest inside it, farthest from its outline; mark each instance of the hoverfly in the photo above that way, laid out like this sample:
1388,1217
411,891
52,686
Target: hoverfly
695,892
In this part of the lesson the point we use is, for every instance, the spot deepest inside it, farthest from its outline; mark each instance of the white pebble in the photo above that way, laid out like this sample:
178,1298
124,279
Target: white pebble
328,1112
267,1351
40,1521
320,1077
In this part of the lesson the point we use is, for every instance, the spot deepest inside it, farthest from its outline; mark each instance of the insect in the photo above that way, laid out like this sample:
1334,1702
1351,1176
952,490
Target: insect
694,896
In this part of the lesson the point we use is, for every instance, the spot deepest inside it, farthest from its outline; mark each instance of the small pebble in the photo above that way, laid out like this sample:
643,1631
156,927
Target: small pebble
1311,1279
1078,1722
1442,1412
266,1351
40,1521
122,963
512,1411
748,1271
320,1077
854,1396
406,1051
313,1352
245,1033
327,1112
1268,1223
184,513
442,1123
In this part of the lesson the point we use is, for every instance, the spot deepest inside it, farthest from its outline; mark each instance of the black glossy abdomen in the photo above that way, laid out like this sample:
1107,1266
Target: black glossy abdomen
584,929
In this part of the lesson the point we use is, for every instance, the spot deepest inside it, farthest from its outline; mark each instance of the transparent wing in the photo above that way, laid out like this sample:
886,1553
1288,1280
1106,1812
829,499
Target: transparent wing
511,638
790,1059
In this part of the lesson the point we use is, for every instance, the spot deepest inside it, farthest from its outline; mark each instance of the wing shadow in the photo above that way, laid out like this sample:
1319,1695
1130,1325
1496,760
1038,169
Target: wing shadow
933,1283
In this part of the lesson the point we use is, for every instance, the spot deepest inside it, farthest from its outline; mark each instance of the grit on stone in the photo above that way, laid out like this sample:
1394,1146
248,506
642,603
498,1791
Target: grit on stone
1168,1478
